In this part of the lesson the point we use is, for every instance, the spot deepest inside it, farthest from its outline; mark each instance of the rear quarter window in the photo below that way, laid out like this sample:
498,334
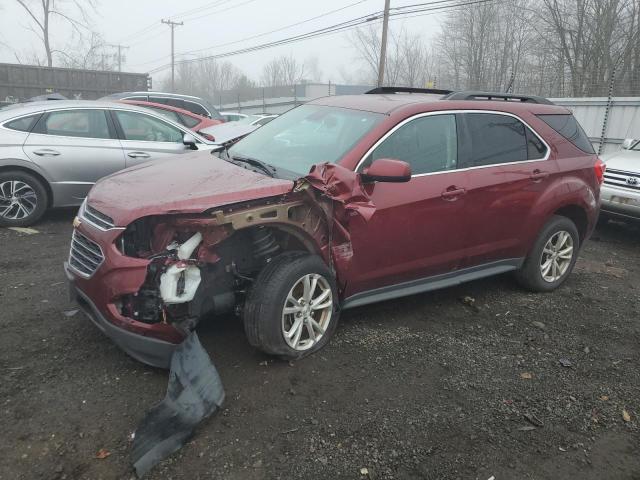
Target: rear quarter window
24,124
567,126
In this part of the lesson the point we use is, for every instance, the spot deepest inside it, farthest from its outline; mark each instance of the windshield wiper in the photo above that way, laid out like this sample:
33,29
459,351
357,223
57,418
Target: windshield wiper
265,167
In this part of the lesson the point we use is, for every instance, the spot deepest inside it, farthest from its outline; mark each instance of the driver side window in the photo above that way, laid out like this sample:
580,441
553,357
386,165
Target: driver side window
429,144
141,127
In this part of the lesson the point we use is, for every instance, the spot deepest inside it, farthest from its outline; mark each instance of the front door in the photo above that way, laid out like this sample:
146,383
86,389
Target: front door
145,137
418,228
76,147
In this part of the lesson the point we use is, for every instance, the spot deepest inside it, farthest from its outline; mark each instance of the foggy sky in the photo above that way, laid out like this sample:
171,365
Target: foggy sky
120,20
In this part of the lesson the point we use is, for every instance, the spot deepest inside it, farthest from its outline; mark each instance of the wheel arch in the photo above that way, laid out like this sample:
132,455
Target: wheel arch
33,172
578,216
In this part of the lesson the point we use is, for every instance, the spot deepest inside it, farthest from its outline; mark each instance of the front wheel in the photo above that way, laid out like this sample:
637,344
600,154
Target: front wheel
292,309
552,257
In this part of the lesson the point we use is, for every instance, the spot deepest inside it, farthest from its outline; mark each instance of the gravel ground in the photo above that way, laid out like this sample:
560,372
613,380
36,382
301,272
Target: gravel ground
471,382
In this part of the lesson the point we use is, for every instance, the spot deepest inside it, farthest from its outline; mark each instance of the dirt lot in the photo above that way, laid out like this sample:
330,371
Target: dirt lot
424,387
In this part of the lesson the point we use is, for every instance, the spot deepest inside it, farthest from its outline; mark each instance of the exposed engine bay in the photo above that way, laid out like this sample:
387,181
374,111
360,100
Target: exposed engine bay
203,265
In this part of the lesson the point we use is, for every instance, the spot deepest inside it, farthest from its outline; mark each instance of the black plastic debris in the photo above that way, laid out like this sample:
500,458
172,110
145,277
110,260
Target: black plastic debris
193,394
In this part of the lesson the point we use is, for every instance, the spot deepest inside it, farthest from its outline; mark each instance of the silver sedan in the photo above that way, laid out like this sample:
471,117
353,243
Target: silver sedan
51,153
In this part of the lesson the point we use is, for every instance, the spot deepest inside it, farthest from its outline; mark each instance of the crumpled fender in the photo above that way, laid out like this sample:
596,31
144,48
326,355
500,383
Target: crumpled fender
347,197
343,186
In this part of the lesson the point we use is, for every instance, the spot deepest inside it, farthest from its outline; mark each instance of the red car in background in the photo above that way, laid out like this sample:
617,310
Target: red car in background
183,117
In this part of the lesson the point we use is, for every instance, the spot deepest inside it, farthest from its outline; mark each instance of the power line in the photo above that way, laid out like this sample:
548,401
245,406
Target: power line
353,23
190,52
179,15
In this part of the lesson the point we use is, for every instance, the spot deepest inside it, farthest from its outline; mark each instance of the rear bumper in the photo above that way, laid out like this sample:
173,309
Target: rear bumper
151,351
620,201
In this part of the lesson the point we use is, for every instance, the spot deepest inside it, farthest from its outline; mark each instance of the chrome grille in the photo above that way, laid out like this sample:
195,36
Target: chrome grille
85,255
620,178
97,218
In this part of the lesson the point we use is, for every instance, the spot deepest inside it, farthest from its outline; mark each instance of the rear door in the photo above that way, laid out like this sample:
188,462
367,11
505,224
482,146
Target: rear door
419,228
76,147
146,137
510,167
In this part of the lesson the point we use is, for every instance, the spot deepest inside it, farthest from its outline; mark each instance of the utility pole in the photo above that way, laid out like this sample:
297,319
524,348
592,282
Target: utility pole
173,25
383,44
120,48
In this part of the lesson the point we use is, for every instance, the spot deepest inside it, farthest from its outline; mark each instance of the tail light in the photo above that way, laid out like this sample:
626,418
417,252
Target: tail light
599,169
209,137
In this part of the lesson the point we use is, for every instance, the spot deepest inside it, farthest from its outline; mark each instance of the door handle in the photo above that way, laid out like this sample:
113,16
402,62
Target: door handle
46,152
453,192
138,155
538,175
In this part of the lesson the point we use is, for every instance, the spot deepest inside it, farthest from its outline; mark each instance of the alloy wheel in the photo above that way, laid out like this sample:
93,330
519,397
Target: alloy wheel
18,200
556,256
307,311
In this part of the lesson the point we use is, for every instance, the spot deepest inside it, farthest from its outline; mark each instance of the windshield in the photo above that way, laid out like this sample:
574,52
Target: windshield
307,135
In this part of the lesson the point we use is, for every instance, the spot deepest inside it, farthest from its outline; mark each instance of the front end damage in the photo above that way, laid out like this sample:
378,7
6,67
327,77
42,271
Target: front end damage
147,286
203,265
183,268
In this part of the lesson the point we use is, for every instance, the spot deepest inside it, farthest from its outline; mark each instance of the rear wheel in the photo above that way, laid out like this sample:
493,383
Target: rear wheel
23,199
552,257
291,311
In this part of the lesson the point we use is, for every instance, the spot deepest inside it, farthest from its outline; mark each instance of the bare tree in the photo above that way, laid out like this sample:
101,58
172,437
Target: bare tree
366,43
44,12
88,52
284,70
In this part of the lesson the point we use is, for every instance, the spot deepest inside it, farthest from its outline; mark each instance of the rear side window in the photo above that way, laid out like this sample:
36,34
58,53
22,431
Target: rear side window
162,100
24,124
188,121
567,126
495,139
195,108
75,123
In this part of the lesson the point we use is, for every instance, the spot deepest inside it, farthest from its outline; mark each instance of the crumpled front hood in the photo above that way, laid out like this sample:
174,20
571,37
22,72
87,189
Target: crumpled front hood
188,183
627,160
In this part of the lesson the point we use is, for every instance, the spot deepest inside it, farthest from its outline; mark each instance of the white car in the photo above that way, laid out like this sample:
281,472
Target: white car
620,192
232,116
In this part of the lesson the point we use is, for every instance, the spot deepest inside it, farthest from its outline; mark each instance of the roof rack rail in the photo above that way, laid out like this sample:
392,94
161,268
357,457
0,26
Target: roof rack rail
408,90
507,97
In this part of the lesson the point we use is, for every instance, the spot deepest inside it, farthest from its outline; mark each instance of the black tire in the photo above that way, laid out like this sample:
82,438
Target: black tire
41,199
530,274
263,309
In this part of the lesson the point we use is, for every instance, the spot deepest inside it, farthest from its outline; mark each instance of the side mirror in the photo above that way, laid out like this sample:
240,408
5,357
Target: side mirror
190,141
387,170
628,143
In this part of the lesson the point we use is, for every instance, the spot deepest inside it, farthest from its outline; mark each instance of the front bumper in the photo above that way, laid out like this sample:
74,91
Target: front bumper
151,351
620,201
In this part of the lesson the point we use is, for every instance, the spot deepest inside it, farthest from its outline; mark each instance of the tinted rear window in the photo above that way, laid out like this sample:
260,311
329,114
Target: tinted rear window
24,124
496,139
567,126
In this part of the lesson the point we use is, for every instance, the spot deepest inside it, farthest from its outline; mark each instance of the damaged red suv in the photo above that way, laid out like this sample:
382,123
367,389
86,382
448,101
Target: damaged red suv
341,202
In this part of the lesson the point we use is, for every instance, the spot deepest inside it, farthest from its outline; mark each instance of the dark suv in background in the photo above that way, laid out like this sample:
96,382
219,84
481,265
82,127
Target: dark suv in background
340,202
196,105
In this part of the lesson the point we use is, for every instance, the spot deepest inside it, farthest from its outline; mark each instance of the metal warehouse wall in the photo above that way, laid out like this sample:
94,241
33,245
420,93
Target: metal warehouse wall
623,120
20,82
